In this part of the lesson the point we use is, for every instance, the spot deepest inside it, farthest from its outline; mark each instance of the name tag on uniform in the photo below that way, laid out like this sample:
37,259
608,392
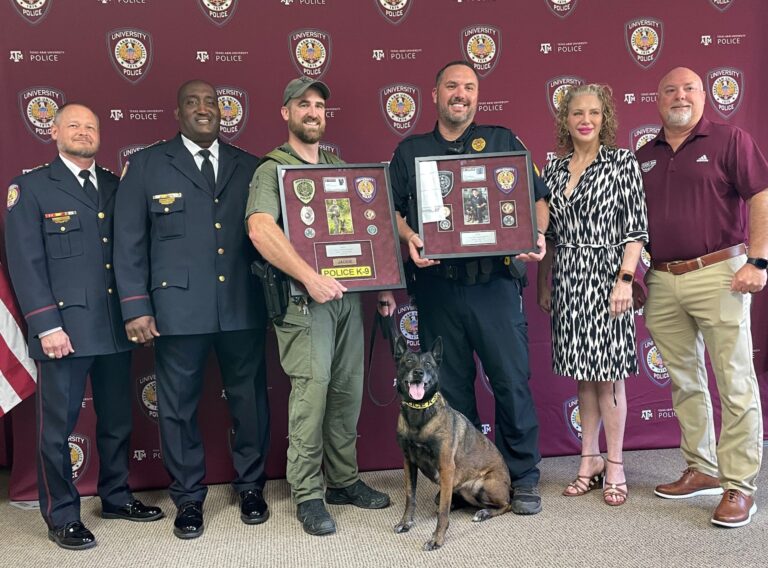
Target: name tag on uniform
61,216
167,198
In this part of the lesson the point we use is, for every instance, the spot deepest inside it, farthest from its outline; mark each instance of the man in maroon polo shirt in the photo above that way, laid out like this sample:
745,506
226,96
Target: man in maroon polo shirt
698,175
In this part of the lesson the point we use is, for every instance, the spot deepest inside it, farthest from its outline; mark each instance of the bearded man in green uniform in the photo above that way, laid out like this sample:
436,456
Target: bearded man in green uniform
320,336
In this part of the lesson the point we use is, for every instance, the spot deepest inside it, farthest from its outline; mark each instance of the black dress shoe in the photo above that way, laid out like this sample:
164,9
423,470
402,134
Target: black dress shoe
189,520
253,507
73,536
133,511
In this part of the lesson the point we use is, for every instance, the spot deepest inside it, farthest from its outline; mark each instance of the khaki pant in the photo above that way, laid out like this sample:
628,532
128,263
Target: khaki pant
322,353
685,314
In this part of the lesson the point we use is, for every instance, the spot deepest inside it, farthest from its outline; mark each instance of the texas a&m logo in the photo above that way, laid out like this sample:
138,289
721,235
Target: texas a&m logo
562,8
130,51
725,86
233,104
400,104
557,87
394,11
481,46
641,135
33,11
38,106
218,11
310,51
644,38
79,455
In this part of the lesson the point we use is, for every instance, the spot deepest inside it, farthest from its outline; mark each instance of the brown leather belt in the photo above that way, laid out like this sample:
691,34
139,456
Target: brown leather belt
679,267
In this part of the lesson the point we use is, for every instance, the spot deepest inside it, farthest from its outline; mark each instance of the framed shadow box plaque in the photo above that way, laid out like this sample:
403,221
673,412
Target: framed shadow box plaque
340,220
476,205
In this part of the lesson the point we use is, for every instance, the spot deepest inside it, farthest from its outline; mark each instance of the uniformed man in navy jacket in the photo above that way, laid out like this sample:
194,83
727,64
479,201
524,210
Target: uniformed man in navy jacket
59,243
182,260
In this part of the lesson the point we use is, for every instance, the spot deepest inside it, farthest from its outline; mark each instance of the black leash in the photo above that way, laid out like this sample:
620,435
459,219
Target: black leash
387,326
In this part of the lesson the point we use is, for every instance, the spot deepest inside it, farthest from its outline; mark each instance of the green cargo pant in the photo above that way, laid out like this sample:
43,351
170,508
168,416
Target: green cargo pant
322,353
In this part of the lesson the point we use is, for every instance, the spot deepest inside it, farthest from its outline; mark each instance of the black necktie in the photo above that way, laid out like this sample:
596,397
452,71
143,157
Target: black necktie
88,187
207,169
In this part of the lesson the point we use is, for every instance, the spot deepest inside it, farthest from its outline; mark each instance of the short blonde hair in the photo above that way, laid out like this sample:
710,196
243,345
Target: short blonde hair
610,123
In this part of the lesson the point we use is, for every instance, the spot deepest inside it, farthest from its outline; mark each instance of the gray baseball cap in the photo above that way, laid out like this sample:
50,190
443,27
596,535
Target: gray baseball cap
297,87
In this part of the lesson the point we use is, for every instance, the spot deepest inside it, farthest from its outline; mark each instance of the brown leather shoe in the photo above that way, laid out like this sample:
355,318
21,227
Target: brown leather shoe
735,509
692,484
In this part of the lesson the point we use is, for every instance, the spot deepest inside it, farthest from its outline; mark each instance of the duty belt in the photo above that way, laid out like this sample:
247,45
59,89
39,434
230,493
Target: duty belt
678,267
471,272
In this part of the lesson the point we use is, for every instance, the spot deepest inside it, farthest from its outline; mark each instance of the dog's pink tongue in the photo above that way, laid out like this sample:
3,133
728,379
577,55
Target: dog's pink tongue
416,391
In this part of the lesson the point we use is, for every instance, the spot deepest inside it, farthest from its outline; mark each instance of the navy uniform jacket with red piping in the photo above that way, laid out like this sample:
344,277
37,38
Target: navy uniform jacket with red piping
181,253
59,247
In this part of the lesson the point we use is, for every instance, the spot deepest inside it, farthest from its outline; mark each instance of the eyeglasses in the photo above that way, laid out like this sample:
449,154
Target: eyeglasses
687,89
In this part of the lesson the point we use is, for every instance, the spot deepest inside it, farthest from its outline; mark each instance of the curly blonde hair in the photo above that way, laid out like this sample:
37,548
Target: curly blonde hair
610,123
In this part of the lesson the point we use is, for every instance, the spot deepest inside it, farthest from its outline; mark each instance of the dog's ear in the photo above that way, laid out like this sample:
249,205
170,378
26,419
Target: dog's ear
437,349
400,347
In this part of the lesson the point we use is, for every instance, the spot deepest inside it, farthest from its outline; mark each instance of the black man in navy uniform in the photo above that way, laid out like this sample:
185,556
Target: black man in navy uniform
476,304
58,239
183,271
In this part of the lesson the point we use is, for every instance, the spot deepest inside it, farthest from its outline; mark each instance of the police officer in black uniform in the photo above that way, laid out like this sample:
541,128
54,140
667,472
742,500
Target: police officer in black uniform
58,239
182,259
475,305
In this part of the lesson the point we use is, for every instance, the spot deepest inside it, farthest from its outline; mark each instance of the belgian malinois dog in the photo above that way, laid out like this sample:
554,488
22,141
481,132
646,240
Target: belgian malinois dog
444,445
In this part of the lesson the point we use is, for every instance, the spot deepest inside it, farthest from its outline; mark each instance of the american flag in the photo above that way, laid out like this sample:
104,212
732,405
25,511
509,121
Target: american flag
18,373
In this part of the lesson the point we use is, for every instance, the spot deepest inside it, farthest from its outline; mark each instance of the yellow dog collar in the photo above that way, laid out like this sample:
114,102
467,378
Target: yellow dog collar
422,405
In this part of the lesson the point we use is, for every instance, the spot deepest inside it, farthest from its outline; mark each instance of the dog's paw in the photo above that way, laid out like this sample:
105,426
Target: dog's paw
481,515
404,527
432,545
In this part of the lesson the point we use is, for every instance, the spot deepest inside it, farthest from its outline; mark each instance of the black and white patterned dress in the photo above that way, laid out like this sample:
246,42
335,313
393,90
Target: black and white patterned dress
605,211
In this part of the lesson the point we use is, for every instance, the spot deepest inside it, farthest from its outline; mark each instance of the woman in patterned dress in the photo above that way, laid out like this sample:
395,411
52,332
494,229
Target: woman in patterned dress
597,229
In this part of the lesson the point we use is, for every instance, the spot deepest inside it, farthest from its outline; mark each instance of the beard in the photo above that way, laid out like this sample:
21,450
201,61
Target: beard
79,151
446,116
308,133
679,117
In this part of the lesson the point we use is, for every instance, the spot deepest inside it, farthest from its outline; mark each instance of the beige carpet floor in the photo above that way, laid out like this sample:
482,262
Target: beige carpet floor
578,532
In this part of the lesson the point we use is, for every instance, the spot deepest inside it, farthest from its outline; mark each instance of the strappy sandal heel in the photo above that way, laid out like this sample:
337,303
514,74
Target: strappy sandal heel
615,489
583,484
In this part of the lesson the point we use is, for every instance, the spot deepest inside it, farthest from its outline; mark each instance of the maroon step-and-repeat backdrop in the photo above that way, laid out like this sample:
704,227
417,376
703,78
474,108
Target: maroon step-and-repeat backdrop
126,58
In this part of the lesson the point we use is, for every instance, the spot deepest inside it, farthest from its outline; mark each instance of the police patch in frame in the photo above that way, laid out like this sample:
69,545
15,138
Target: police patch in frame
366,188
304,189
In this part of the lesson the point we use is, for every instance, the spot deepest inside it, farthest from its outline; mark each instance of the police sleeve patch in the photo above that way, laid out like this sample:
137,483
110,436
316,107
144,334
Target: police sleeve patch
13,196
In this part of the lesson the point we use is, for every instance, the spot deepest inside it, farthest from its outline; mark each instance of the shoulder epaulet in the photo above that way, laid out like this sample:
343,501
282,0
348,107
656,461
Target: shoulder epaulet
153,144
40,167
521,142
235,146
128,162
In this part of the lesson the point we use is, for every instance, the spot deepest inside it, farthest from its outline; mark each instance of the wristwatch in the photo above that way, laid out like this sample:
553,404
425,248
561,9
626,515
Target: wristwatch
760,263
626,276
